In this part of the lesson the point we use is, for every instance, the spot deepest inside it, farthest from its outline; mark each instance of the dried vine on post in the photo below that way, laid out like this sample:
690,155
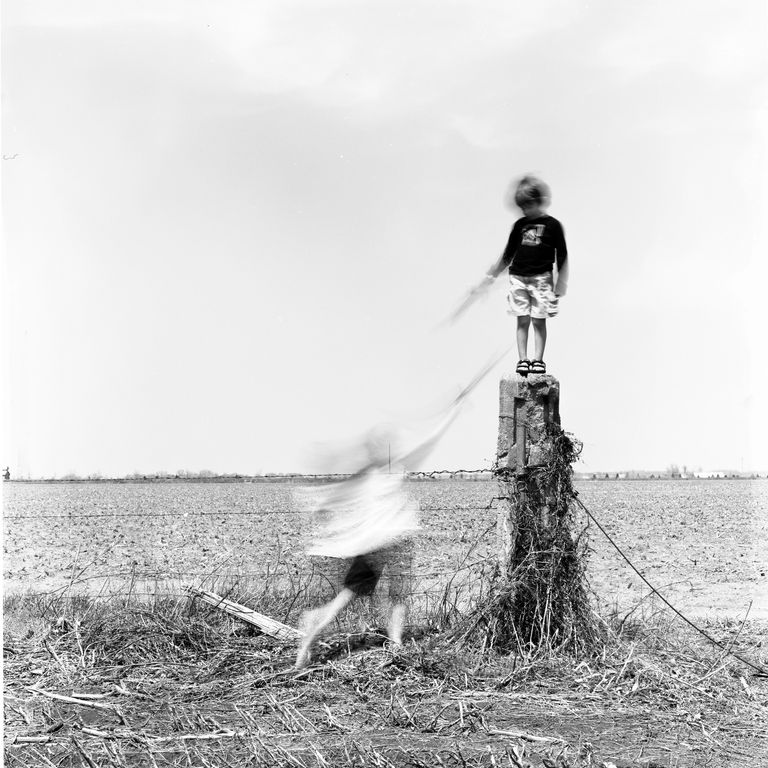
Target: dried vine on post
538,596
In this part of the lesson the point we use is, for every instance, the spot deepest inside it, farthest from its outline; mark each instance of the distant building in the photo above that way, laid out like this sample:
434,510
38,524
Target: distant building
709,474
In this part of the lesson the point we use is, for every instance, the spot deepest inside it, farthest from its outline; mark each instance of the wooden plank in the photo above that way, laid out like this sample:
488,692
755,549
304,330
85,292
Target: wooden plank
267,625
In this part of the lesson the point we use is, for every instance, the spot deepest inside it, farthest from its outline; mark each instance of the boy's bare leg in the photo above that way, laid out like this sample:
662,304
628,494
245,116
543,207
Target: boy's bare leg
396,621
523,323
539,337
314,621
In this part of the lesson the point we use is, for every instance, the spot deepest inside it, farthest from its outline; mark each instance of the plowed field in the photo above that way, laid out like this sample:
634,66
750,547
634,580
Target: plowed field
702,543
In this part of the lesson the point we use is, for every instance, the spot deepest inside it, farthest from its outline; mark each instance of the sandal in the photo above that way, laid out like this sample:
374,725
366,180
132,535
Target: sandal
537,366
523,367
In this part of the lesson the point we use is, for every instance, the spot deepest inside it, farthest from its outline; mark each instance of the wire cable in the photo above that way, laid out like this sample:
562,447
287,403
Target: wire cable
762,672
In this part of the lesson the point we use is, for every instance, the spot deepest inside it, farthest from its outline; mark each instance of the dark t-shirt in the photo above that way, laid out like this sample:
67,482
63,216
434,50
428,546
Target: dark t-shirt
534,245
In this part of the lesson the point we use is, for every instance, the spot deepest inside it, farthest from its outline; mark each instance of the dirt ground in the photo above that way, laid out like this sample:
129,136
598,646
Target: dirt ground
170,688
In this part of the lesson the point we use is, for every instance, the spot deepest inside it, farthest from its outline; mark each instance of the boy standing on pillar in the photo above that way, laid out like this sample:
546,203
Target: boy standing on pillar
536,256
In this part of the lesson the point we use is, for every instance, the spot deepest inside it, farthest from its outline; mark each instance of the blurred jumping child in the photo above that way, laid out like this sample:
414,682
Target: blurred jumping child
370,524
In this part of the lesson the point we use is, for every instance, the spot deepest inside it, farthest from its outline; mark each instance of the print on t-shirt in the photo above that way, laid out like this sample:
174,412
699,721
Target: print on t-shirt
532,234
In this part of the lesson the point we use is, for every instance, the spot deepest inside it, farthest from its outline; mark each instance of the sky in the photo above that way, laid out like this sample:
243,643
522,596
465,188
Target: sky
232,230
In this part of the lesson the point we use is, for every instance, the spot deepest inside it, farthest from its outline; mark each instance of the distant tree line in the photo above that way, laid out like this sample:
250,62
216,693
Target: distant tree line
673,472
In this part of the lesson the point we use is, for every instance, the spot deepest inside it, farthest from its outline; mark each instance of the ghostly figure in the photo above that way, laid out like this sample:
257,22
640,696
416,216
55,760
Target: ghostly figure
369,523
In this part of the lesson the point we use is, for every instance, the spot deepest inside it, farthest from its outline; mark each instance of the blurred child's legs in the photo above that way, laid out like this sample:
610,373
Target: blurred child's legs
361,579
397,616
314,621
400,568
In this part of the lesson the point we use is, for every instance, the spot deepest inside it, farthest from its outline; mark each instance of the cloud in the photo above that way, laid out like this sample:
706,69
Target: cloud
387,55
717,39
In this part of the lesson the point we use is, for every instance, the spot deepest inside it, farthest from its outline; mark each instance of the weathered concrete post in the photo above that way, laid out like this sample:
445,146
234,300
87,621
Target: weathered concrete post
540,591
529,408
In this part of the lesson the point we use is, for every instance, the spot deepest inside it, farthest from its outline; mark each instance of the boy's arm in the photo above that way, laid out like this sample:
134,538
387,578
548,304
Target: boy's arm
561,262
503,261
561,279
415,454
476,291
560,246
506,258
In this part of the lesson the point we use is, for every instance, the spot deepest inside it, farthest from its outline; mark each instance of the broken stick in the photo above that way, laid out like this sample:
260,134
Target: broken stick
268,626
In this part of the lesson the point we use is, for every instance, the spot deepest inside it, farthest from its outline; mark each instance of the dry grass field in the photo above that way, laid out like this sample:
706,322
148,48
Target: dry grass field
109,663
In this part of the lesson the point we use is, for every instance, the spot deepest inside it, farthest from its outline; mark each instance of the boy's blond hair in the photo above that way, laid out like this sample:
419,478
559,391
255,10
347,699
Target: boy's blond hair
531,189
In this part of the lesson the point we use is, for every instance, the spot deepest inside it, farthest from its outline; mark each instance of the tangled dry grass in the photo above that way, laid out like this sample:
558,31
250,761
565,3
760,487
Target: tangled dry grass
539,596
172,682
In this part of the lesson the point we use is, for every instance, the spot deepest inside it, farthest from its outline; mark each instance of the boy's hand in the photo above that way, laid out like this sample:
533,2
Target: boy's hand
473,295
483,284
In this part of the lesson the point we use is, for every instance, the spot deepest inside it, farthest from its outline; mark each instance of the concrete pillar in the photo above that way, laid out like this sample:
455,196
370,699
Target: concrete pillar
528,406
529,421
538,595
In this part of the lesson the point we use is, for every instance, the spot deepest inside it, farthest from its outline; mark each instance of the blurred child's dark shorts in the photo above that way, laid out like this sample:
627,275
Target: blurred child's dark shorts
366,570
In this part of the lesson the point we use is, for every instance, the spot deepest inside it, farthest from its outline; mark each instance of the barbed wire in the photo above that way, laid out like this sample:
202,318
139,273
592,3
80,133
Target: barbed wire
279,572
452,472
289,479
245,513
235,512
433,591
79,516
232,581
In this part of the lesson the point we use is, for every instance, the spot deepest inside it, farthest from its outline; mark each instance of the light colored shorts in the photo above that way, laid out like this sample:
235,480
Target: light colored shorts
532,295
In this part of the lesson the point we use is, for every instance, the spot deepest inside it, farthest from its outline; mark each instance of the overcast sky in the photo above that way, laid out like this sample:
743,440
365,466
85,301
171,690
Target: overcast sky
231,229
